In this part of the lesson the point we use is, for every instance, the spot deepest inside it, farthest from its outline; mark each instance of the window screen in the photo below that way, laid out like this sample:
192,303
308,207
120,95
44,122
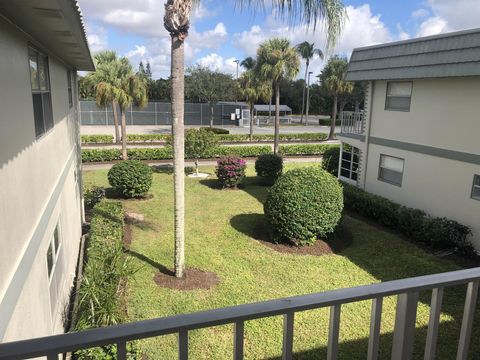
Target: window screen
391,169
476,187
399,95
40,82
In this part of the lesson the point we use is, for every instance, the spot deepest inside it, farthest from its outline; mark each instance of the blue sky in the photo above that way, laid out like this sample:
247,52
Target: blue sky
220,33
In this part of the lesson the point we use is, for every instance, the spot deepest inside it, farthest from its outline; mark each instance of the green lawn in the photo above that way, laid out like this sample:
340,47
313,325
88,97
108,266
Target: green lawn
221,226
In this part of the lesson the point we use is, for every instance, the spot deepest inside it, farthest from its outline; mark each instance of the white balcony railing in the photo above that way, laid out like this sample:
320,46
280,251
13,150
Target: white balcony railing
352,122
406,290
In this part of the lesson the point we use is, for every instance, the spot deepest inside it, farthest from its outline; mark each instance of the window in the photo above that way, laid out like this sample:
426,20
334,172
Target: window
350,159
69,89
42,102
476,187
52,252
55,266
399,95
391,169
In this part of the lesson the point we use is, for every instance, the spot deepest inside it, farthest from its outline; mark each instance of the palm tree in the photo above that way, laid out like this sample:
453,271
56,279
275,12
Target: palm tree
332,79
112,70
177,22
254,89
248,63
277,60
307,51
129,90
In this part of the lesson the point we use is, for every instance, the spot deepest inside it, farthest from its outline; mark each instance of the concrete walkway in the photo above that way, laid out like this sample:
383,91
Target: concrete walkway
166,129
156,145
167,163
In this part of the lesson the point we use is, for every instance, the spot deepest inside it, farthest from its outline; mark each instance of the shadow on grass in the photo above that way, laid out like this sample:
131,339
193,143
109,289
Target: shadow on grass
357,349
163,269
162,169
256,227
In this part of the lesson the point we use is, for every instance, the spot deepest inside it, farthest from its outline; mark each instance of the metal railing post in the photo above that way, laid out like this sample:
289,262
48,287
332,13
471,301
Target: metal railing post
467,320
183,345
287,352
238,335
333,332
122,350
375,323
404,332
433,323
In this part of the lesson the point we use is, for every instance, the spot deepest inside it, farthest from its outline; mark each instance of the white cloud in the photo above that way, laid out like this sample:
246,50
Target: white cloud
97,38
432,26
449,15
362,28
139,51
216,62
420,13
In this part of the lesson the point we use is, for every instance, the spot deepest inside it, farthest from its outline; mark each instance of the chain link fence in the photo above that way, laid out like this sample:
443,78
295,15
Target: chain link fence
157,113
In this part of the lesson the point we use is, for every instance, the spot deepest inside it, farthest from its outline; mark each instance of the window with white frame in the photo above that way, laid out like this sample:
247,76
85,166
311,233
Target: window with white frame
391,169
399,96
349,164
40,82
69,89
55,267
476,187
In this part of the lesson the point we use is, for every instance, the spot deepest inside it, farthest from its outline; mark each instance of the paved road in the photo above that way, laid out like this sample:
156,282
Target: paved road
167,163
149,129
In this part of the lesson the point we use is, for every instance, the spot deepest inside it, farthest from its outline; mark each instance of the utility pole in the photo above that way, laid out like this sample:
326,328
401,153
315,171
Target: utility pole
308,98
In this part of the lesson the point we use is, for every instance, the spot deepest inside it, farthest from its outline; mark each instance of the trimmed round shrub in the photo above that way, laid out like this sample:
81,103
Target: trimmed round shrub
230,171
132,178
303,205
330,159
269,167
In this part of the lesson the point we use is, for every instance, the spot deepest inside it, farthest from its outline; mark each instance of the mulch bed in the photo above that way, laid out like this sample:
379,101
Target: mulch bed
194,279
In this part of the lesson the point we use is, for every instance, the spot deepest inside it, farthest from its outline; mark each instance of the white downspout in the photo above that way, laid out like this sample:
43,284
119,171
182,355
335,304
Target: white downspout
367,135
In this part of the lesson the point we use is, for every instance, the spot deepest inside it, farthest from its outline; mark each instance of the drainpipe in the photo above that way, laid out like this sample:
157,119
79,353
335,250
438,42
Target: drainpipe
367,135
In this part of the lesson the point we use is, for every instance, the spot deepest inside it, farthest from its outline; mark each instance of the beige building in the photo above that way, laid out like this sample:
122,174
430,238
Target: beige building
417,141
42,45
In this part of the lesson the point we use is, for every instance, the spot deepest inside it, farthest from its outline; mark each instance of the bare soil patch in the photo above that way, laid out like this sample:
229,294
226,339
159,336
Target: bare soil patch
194,279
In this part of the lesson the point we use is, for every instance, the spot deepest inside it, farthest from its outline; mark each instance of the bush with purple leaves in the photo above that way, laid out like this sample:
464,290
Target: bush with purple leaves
230,171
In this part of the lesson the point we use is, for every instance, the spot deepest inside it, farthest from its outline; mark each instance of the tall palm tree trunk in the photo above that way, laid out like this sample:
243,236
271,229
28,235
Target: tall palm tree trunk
251,122
124,135
277,119
333,121
211,116
115,121
303,94
178,80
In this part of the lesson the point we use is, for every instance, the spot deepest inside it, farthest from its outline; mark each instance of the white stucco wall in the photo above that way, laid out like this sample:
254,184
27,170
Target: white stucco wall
444,115
30,171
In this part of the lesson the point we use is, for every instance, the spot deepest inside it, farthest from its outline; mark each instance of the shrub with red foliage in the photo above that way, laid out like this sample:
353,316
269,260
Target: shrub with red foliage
230,171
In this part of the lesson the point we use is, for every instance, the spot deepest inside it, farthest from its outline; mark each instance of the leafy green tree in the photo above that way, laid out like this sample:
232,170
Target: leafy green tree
197,144
209,86
148,70
307,51
254,89
333,81
141,70
86,88
177,22
277,60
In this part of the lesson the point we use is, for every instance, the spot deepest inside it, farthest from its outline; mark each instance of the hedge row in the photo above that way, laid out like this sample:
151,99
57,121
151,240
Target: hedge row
166,153
96,139
438,233
100,290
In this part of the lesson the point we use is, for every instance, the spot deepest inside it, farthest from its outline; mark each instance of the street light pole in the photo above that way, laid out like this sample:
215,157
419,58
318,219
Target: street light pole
308,98
237,62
